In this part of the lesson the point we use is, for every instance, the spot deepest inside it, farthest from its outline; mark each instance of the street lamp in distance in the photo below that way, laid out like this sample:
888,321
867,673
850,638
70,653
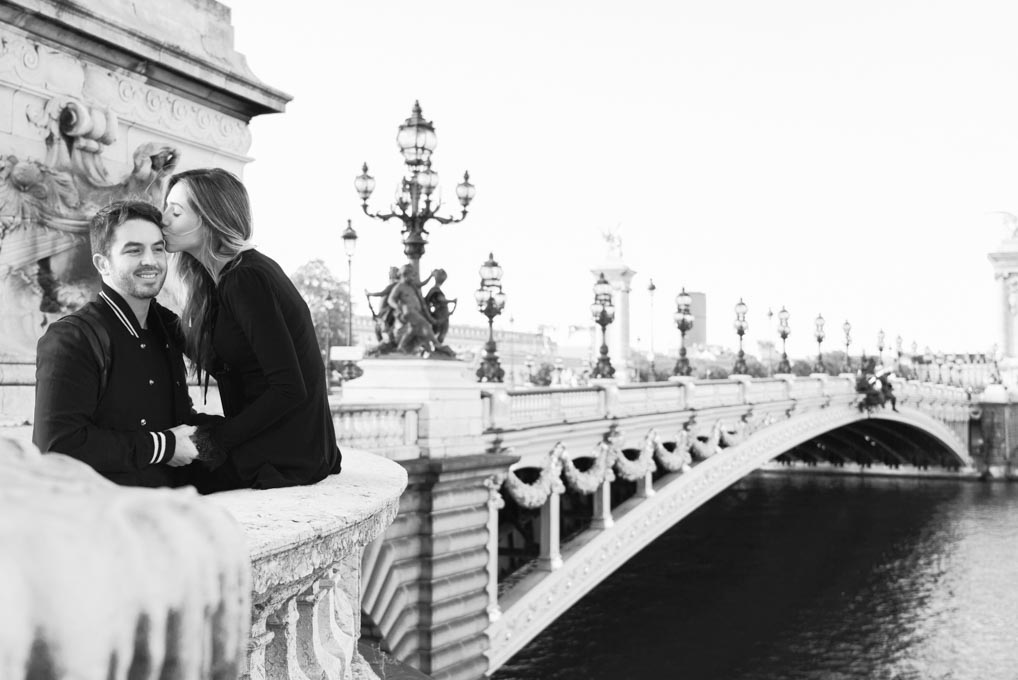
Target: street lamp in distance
741,326
784,330
684,318
819,334
847,327
603,311
490,302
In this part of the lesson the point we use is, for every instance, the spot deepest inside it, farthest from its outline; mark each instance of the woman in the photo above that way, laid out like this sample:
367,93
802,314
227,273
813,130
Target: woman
246,325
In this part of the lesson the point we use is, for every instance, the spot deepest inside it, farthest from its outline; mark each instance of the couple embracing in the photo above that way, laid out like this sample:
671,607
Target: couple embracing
111,388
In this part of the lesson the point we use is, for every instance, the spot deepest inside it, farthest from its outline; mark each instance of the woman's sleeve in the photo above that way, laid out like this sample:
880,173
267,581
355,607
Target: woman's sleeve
250,298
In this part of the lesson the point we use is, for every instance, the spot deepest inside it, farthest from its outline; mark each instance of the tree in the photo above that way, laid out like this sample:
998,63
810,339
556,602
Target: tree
329,302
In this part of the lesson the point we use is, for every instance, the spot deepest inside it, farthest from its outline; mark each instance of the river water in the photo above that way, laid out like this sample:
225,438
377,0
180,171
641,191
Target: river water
811,578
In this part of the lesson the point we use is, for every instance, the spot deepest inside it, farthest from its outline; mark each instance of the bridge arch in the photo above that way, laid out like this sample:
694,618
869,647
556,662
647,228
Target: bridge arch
540,597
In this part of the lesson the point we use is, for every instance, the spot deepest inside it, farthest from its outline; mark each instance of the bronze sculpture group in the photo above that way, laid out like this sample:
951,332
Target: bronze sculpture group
409,322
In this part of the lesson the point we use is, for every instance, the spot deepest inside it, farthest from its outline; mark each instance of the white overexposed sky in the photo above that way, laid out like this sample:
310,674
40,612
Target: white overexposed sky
834,157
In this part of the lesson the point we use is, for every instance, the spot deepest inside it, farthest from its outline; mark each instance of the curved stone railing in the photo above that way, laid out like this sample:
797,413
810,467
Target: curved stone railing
96,578
306,545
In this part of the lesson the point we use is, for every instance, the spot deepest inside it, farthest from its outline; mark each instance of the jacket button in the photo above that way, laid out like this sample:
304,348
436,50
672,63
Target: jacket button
144,422
151,382
143,345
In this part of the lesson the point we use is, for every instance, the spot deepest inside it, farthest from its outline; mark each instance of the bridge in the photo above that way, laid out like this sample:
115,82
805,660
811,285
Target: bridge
489,549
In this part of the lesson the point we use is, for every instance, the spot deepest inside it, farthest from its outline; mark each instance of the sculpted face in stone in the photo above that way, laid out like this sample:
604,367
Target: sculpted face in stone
181,225
136,264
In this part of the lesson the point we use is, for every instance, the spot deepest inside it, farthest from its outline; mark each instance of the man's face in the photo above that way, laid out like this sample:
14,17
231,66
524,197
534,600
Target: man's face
136,265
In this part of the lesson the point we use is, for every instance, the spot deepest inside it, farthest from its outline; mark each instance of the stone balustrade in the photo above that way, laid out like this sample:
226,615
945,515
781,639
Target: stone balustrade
96,579
389,430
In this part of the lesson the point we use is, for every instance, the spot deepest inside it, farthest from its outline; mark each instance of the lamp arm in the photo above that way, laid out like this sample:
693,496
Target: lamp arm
450,220
380,216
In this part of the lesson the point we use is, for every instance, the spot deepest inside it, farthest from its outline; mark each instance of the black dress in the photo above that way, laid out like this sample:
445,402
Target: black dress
278,429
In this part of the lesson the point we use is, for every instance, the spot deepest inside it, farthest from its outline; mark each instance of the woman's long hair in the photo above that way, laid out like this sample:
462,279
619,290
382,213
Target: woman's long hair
221,202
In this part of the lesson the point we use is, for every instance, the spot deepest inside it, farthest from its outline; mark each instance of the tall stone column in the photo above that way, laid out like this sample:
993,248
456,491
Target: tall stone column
1005,270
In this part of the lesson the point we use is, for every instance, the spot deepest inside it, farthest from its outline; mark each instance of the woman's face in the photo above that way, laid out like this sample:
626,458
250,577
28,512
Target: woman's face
182,228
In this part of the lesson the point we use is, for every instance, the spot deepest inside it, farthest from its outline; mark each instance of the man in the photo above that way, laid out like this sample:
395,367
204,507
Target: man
110,382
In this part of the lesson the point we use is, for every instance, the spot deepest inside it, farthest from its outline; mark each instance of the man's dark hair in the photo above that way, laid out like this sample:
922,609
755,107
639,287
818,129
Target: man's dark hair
106,221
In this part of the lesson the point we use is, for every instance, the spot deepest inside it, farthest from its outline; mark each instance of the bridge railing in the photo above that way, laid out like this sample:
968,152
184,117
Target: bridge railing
389,430
516,409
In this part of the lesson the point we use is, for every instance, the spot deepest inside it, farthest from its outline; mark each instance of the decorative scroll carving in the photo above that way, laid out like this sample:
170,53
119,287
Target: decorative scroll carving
45,208
494,484
36,67
96,577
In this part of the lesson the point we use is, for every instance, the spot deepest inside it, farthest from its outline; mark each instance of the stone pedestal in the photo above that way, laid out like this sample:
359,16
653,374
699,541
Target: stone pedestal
450,419
427,586
998,428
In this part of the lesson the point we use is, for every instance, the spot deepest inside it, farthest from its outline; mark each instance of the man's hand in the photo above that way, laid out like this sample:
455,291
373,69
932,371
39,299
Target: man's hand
184,451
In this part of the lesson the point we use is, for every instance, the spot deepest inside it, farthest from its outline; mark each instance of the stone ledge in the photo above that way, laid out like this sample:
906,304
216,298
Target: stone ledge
305,527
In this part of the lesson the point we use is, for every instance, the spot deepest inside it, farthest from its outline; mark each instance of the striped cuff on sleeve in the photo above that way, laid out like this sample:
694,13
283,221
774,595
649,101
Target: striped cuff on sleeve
158,447
163,446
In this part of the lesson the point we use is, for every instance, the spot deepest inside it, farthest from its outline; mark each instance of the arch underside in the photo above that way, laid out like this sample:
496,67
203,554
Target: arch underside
837,436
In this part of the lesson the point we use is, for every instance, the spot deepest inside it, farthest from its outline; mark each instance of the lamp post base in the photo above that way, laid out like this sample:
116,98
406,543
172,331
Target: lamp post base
490,369
603,368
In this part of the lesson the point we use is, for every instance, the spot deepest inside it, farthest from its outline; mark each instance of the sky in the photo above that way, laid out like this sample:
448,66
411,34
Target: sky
843,158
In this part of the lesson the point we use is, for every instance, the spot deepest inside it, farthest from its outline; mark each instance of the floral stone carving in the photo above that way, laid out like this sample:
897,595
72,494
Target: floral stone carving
45,208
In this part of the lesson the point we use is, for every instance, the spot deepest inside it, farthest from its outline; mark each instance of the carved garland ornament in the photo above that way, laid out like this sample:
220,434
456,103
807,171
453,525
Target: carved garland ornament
535,495
677,459
600,472
633,470
704,450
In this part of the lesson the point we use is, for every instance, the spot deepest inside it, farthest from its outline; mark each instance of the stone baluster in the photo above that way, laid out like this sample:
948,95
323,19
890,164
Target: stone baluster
645,485
550,557
602,518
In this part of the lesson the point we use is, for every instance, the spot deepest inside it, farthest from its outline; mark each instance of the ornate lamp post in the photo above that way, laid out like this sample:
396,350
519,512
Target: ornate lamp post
784,330
880,345
413,205
349,246
899,343
684,322
490,302
949,360
349,370
819,334
741,326
650,289
847,327
940,366
603,312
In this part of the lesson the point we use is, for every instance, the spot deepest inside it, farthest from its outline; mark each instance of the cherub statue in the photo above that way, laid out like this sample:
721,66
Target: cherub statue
416,329
385,318
438,305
